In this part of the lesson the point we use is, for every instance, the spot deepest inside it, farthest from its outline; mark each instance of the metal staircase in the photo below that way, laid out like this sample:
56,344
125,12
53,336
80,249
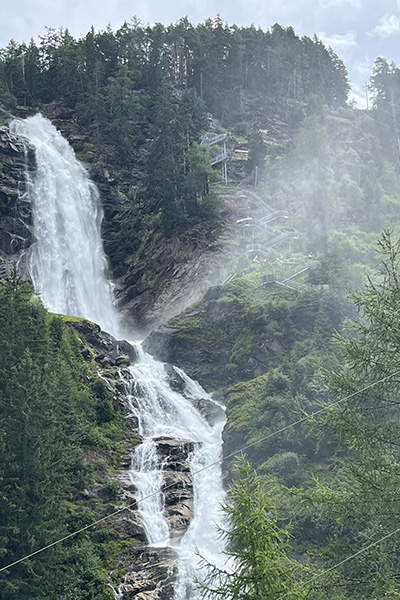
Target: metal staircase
222,158
262,223
284,236
215,138
274,278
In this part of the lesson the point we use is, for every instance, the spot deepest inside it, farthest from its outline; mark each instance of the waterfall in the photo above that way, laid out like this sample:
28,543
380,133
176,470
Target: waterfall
67,263
68,269
166,413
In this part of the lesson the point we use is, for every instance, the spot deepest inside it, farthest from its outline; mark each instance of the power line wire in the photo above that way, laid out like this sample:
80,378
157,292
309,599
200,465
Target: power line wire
306,418
220,461
339,564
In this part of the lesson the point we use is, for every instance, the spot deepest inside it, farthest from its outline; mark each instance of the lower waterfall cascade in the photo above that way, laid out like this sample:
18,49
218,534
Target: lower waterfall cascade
165,413
68,268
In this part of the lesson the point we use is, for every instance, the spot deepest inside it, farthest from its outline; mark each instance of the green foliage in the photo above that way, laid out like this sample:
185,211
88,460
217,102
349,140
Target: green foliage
140,95
338,184
178,184
258,547
48,415
385,90
359,502
287,467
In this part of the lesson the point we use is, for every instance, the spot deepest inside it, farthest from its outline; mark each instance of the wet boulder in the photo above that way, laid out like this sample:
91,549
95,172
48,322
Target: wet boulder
209,409
178,483
178,494
151,574
110,352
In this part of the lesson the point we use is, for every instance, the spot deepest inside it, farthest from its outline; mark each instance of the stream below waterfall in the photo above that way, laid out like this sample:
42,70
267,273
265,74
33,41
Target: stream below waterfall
68,268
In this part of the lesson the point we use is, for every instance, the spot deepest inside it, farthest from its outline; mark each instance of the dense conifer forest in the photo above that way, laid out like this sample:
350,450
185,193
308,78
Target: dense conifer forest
138,100
59,433
145,91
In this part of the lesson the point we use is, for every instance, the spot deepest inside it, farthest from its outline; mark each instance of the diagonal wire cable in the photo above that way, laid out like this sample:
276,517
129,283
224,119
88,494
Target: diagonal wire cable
339,564
220,461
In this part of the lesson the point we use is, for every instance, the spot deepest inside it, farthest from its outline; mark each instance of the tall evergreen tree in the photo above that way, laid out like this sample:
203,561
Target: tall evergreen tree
259,566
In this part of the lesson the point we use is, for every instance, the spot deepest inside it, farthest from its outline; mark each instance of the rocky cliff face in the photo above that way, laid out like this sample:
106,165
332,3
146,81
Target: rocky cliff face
161,276
15,213
153,282
149,285
214,341
167,277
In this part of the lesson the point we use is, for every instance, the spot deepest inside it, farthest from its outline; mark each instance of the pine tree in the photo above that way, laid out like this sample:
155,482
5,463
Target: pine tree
259,566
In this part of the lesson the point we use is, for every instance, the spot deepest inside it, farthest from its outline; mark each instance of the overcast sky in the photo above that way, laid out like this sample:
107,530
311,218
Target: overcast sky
358,30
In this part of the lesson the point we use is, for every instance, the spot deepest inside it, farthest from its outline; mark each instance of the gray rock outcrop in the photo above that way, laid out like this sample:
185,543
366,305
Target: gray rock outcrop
178,483
110,351
150,575
15,211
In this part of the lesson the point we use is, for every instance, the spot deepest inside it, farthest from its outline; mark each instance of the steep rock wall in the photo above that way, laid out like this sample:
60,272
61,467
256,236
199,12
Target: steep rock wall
16,231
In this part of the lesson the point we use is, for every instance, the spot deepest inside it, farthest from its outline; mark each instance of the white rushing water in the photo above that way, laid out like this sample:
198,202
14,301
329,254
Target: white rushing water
164,412
68,266
67,263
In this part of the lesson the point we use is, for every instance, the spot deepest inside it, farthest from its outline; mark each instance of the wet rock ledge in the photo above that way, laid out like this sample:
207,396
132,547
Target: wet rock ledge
110,352
151,573
15,212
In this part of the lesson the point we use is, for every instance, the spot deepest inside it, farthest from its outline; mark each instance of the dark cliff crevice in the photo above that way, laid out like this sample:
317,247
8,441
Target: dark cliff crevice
16,228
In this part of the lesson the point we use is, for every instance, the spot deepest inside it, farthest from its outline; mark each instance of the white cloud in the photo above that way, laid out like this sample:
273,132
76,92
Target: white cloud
358,95
387,26
364,66
340,43
336,3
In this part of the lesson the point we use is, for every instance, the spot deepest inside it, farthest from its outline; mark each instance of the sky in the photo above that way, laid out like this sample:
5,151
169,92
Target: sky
358,30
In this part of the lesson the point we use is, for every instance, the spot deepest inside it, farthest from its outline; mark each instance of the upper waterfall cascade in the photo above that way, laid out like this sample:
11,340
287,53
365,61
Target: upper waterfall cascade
68,269
67,263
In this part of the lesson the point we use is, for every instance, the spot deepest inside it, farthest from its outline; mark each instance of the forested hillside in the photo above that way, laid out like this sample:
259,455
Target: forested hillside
134,103
61,437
